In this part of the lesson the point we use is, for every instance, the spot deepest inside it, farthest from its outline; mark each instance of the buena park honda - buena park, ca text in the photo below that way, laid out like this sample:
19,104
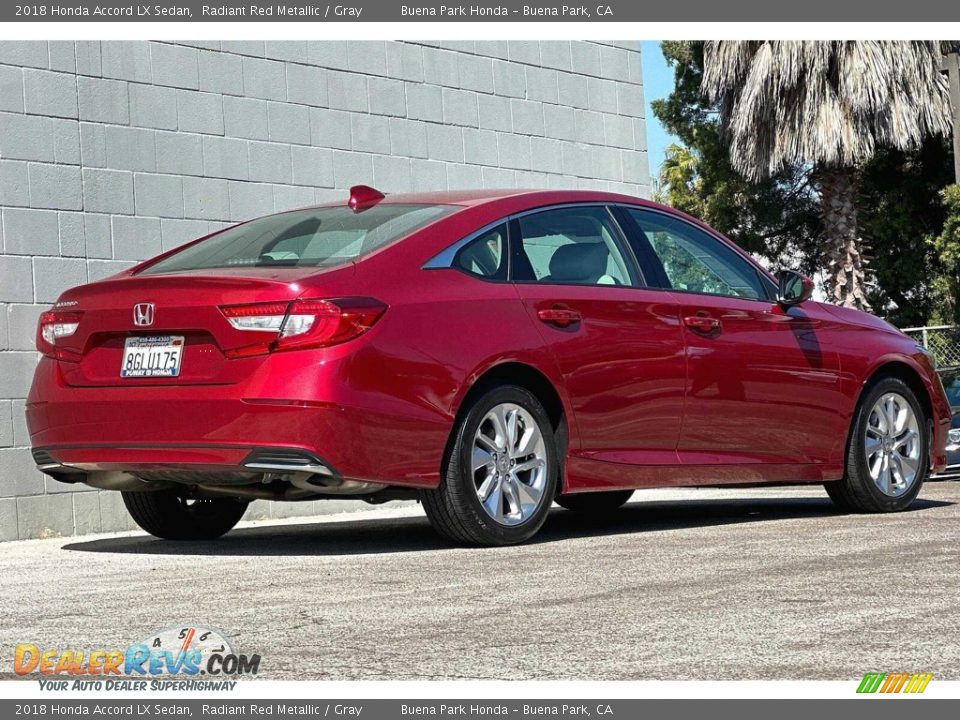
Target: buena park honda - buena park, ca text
268,10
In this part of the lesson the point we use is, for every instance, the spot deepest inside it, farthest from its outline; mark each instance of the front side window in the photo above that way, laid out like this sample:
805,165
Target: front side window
319,237
486,255
696,262
571,246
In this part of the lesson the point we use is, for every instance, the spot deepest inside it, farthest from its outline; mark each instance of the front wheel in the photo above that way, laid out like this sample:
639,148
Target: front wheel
888,451
501,475
169,515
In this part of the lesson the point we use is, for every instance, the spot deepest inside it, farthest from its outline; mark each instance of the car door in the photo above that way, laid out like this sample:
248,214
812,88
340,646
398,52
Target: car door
762,386
618,344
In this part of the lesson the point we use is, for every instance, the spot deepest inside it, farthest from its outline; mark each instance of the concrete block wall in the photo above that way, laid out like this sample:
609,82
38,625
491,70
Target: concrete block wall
113,151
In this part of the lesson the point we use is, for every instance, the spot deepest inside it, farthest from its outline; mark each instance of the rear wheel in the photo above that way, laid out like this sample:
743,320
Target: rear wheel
888,451
169,515
502,472
595,501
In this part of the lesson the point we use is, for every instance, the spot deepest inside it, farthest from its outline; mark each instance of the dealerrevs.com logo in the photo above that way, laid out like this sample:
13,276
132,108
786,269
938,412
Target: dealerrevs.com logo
186,652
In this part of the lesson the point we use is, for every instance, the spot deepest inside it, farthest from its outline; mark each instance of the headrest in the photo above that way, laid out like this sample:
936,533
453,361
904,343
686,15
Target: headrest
579,262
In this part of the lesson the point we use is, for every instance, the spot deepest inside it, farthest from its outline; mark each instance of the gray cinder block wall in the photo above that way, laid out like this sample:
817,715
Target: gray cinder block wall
113,151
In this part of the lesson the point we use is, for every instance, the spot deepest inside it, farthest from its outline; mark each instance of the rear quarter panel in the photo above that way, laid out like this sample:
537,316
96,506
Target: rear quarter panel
409,374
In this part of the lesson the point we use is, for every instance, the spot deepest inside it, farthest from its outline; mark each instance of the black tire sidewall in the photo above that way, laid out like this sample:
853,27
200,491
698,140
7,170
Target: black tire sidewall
162,513
490,531
869,494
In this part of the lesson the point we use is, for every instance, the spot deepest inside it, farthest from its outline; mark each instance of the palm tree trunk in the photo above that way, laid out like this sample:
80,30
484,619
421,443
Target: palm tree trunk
846,278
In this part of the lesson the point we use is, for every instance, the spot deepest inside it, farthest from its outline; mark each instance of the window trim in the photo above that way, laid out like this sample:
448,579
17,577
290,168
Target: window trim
444,260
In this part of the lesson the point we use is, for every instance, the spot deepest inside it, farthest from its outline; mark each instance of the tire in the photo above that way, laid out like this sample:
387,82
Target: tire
859,490
167,514
594,502
455,509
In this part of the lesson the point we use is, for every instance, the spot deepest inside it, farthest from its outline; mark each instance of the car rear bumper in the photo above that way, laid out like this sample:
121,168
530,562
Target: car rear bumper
950,472
217,428
158,458
952,469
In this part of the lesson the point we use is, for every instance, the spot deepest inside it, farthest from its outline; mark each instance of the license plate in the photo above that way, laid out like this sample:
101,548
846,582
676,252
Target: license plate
157,356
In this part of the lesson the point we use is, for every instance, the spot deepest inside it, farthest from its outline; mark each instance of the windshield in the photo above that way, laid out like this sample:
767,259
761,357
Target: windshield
319,237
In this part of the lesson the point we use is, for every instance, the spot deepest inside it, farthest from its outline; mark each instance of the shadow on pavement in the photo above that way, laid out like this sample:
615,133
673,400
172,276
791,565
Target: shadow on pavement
414,534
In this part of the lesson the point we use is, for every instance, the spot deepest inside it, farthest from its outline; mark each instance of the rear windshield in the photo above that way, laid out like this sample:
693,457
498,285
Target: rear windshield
320,237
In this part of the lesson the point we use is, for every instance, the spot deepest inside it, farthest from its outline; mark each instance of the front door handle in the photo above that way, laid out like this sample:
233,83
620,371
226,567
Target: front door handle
559,317
702,323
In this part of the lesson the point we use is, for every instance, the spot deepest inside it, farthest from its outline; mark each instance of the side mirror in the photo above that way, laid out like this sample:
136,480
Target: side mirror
794,288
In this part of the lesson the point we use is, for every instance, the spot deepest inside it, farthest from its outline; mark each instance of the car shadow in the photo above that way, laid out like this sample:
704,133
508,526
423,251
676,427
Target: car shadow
414,534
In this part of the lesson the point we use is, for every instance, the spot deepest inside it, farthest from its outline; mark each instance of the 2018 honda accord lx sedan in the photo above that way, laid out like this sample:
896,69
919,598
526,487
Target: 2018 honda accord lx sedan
486,352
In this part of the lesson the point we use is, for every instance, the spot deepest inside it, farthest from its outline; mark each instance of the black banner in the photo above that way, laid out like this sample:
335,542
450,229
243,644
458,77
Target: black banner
505,11
145,709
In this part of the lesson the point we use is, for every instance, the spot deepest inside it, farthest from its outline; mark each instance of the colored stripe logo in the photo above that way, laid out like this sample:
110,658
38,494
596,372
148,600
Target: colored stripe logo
895,683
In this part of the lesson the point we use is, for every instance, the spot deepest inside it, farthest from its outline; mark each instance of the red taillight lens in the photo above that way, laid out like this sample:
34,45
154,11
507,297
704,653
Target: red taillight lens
53,326
319,323
266,317
306,323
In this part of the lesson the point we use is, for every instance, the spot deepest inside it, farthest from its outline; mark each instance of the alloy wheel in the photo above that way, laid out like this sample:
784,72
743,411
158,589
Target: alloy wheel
892,444
509,464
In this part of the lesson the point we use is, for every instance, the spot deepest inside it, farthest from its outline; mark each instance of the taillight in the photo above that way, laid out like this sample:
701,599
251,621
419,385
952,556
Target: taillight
258,316
306,323
53,326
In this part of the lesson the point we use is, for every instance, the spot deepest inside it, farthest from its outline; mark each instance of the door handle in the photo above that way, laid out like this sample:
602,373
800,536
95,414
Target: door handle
702,323
559,317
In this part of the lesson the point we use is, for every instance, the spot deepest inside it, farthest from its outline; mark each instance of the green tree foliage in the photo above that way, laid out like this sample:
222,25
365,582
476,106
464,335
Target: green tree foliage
901,208
778,219
946,246
830,105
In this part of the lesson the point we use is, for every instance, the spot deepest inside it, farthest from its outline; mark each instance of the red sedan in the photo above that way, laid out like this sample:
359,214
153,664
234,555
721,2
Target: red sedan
486,352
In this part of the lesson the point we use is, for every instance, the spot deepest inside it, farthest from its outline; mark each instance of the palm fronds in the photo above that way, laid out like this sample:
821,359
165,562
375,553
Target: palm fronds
823,103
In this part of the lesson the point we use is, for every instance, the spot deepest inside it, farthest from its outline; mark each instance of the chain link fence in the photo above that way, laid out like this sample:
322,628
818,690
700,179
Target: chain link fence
941,340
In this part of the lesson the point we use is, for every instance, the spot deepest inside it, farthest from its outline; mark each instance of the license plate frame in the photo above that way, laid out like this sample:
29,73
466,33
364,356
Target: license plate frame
152,357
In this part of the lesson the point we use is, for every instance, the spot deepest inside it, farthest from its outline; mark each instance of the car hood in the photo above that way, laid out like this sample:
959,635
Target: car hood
858,317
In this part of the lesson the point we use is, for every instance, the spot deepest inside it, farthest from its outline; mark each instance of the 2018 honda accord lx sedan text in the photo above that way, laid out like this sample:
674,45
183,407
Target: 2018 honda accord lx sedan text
487,352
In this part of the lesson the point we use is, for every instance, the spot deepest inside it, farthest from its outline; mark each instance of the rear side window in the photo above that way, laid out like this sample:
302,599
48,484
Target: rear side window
319,237
485,256
571,246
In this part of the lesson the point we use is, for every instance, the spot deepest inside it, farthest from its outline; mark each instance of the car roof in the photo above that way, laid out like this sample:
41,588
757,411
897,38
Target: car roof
510,201
532,197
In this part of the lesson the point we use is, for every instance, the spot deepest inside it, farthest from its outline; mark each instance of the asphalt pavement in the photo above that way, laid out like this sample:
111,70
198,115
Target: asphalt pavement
679,584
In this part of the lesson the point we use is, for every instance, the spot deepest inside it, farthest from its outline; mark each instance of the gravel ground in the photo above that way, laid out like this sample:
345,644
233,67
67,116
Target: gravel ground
679,584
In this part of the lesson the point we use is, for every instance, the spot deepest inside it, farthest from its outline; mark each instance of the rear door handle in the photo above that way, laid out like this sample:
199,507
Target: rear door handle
702,323
559,317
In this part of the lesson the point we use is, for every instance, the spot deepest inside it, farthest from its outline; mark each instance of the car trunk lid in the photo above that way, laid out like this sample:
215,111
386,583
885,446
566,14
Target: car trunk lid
181,305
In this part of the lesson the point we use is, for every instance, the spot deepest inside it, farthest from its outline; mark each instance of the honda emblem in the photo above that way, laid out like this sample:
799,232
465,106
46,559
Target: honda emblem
143,314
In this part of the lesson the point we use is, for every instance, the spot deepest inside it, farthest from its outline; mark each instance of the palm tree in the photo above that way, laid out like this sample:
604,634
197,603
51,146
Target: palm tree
826,105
